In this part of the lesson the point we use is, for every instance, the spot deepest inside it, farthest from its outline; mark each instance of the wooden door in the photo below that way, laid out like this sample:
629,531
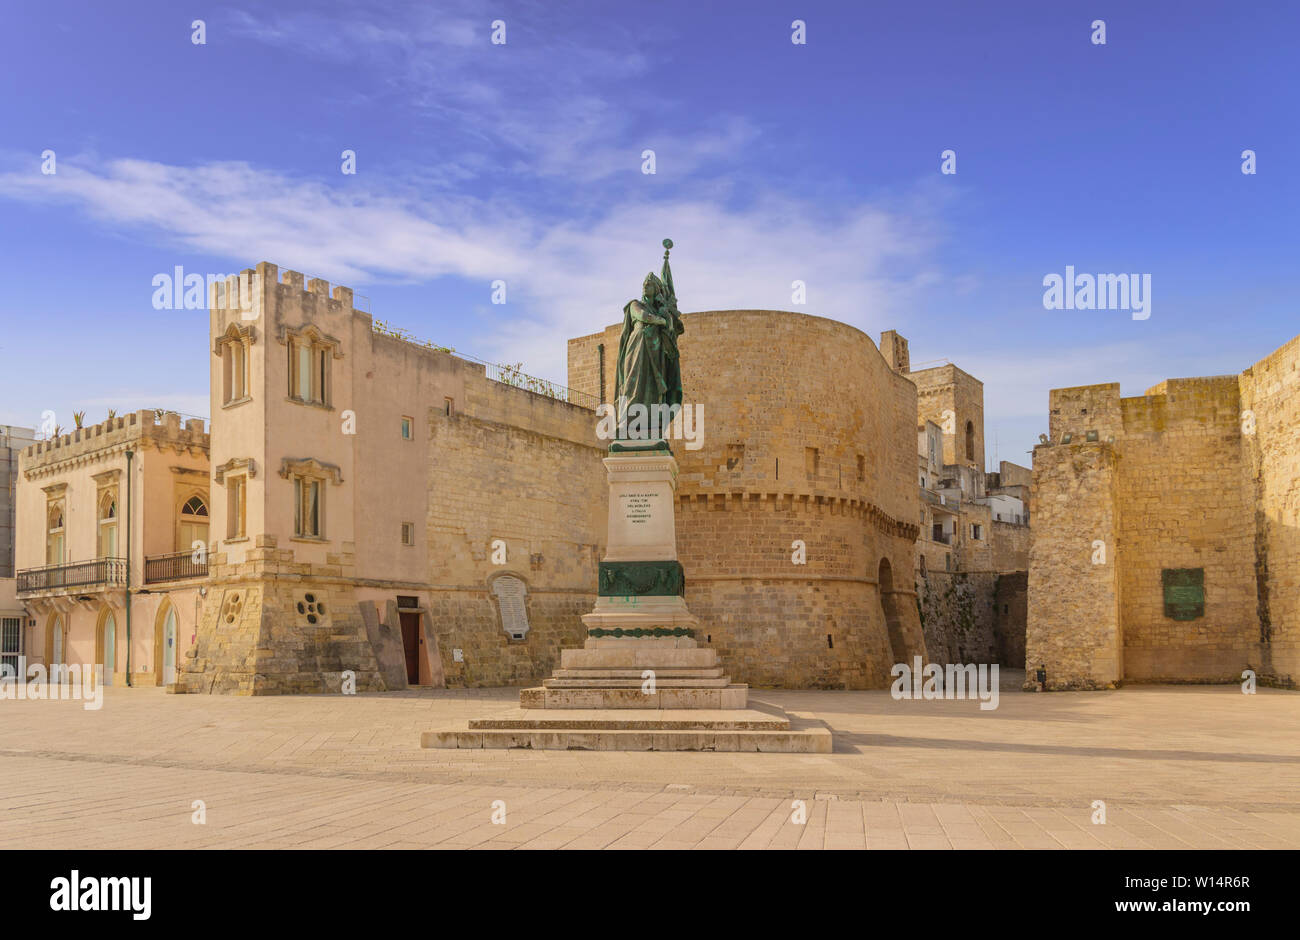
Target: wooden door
411,645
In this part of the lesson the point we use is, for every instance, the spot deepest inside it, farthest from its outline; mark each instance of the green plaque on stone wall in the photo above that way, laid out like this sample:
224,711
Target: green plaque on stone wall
1184,593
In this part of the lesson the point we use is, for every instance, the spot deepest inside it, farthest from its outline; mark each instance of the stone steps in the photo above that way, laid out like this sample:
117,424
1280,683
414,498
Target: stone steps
701,682
640,720
749,729
660,673
587,696
645,655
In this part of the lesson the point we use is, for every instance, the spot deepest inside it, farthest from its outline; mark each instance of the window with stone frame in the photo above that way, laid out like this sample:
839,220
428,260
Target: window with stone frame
310,355
308,478
106,540
309,509
236,506
233,349
54,532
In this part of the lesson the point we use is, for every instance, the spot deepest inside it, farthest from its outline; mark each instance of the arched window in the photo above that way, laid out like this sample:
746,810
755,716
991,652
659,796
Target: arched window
54,533
194,524
970,440
108,525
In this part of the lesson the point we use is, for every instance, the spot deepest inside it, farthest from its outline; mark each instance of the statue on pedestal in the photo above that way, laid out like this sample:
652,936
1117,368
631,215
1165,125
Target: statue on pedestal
649,371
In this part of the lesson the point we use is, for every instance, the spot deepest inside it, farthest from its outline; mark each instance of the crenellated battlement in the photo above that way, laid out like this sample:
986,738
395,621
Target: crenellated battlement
251,287
143,427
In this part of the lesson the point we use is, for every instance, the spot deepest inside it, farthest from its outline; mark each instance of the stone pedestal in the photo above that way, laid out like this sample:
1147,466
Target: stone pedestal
641,650
641,680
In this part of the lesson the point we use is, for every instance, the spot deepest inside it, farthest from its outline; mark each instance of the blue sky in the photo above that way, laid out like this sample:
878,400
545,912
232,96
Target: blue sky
774,162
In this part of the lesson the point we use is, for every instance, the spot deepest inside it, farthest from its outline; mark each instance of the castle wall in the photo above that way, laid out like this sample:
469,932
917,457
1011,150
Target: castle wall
1270,403
1182,485
1008,546
525,469
958,616
1197,474
1073,628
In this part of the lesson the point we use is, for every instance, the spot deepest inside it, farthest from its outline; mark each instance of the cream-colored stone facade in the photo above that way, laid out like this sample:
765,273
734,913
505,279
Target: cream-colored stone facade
1197,479
372,491
88,518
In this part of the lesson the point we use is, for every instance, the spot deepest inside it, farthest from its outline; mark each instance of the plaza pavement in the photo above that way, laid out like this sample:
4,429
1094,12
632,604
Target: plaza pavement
1177,767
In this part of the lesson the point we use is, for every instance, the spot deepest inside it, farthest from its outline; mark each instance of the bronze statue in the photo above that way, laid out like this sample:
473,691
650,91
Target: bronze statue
649,370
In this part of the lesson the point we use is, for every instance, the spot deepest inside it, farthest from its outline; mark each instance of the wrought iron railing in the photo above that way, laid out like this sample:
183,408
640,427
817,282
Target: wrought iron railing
505,374
97,571
176,566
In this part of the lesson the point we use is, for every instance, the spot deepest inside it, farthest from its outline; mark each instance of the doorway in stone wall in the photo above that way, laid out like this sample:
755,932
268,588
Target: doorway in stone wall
411,644
889,607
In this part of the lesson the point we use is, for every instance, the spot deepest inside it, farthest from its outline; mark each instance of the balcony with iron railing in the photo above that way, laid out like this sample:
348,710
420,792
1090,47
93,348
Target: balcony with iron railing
176,566
97,572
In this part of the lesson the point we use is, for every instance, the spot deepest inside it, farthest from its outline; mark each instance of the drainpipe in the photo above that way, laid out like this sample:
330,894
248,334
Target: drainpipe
130,454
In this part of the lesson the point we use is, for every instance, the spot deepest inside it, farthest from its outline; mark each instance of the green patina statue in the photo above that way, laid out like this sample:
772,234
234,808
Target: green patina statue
649,370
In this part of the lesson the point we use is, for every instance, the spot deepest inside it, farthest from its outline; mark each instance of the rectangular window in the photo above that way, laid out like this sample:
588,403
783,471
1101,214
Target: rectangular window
309,371
234,367
307,508
240,355
107,539
976,531
304,373
450,406
11,638
407,429
408,533
236,507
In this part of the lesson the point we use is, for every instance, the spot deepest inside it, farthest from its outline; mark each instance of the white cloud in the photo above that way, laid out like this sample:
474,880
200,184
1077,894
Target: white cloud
860,263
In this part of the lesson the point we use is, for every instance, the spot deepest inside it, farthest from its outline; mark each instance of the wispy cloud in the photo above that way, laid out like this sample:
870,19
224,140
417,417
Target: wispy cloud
860,263
543,103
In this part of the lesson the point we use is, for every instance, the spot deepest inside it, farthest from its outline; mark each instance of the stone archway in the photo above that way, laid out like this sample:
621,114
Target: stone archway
899,648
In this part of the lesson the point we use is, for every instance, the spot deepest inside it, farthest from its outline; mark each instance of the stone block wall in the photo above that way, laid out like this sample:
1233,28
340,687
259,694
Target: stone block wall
1270,403
1185,503
498,475
1203,474
1073,626
270,626
957,613
1009,546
